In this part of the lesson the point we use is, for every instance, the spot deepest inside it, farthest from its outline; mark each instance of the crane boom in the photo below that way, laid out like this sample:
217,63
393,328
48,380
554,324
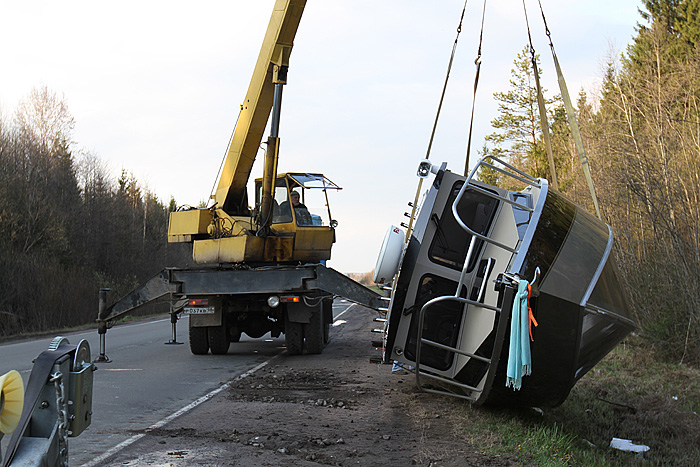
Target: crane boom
230,231
255,111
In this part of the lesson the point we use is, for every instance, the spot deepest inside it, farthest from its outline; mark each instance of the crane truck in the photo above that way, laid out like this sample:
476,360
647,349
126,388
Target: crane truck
257,269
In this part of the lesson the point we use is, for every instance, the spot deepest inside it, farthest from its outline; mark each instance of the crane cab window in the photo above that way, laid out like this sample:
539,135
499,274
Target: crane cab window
300,198
293,207
309,207
282,213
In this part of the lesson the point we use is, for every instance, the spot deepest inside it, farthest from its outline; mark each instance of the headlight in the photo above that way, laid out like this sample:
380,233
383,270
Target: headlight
273,301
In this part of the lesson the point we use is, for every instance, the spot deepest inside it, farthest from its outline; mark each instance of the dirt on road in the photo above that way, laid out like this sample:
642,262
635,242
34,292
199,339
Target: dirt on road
336,408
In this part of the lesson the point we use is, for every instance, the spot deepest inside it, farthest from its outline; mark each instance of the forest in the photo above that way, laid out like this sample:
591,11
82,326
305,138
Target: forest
68,228
641,133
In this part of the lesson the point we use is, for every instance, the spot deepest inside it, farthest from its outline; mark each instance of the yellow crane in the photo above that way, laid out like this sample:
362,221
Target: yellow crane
275,230
260,269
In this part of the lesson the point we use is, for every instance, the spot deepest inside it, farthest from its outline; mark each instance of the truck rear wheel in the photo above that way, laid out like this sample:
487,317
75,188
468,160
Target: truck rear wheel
293,336
218,339
199,341
314,332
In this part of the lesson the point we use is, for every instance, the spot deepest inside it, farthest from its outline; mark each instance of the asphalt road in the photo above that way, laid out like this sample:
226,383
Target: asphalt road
147,381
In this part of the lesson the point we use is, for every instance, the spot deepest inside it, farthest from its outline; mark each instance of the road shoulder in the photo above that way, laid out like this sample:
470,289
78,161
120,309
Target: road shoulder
331,409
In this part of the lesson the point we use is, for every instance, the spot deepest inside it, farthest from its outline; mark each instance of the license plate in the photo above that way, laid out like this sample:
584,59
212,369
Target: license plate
199,310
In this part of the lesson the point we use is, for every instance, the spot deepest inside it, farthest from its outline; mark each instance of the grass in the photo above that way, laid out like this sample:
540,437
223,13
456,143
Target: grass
628,395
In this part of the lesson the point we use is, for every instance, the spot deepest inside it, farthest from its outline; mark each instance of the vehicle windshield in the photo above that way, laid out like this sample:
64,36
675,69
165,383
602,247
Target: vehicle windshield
313,181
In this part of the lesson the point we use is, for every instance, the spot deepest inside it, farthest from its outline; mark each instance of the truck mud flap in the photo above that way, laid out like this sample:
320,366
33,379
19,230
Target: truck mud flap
300,312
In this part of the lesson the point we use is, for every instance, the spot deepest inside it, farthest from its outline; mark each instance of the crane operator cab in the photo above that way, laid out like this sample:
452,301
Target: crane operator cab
300,210
298,229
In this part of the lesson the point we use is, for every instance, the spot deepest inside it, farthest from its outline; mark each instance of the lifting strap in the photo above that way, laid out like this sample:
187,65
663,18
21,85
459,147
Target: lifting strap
541,105
571,116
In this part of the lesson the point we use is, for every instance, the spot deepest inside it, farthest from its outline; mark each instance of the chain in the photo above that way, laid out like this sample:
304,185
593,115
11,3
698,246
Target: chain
62,406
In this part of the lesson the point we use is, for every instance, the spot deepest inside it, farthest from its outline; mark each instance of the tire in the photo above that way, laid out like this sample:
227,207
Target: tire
199,341
235,335
293,336
218,339
314,332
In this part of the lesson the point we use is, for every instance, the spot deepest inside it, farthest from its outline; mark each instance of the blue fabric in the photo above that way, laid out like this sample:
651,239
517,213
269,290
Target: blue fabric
519,362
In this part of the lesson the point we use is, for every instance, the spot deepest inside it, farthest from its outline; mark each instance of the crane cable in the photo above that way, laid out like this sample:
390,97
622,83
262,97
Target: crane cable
414,205
543,110
447,78
571,116
477,62
223,159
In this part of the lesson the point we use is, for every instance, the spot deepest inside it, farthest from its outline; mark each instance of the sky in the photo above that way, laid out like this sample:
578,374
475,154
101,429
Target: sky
155,87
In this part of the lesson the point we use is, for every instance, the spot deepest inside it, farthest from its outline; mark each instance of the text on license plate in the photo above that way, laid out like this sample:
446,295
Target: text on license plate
199,310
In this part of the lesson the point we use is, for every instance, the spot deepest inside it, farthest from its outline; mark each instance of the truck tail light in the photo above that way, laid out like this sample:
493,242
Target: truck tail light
198,302
290,299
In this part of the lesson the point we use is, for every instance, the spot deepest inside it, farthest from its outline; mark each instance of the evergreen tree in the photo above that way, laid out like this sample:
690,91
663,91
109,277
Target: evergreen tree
487,174
688,22
678,22
518,132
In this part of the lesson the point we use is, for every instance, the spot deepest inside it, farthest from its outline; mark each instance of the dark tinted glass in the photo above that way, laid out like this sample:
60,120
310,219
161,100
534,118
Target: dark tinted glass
451,242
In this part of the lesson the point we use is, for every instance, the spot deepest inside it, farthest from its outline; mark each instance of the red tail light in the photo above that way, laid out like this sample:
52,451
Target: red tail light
199,301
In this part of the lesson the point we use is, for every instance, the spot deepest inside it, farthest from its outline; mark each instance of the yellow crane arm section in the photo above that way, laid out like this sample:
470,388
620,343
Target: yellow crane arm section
255,111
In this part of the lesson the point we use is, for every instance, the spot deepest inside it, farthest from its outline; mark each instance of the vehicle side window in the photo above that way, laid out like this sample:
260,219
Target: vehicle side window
451,242
282,210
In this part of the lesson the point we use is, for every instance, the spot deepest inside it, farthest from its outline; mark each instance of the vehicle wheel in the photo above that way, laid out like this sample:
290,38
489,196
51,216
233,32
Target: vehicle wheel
293,336
314,332
199,341
235,335
218,339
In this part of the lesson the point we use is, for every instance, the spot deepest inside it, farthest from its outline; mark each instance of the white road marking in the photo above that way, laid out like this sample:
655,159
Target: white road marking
128,442
182,411
344,311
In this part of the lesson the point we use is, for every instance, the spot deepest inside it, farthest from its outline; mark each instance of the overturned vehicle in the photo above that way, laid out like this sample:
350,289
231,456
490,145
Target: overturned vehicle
504,297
